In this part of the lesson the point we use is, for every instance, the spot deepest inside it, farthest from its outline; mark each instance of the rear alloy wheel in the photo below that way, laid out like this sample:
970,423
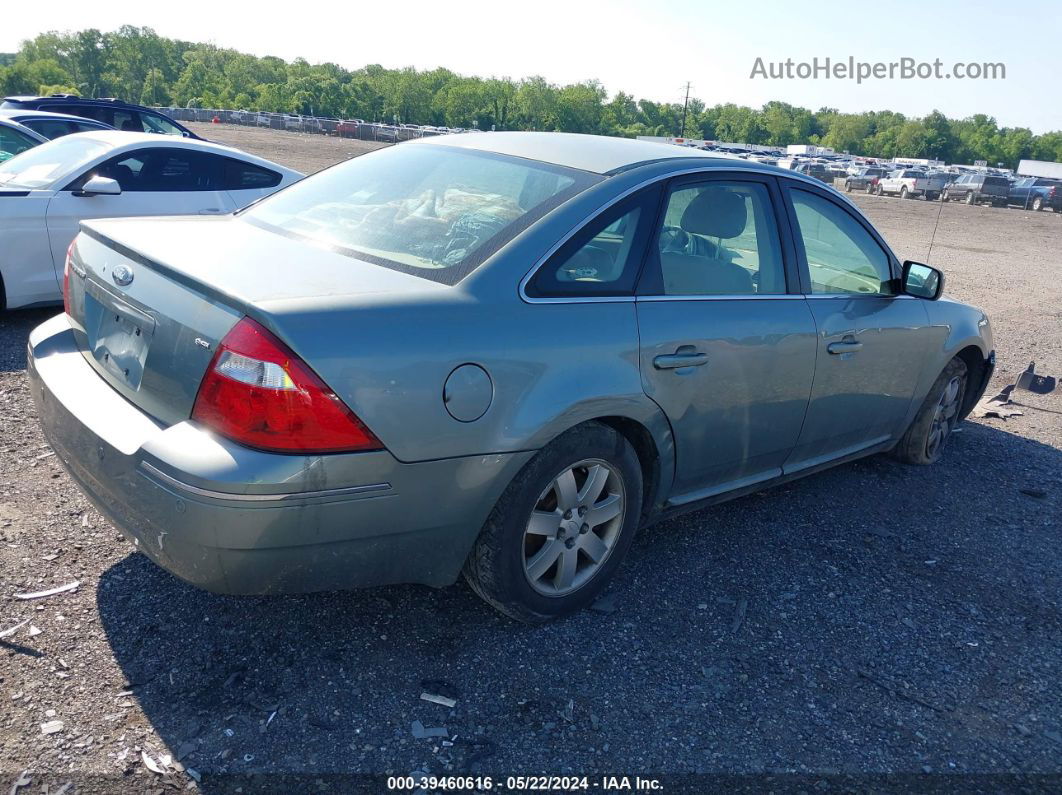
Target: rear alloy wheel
1038,203
847,186
903,192
573,527
925,440
944,196
970,199
561,528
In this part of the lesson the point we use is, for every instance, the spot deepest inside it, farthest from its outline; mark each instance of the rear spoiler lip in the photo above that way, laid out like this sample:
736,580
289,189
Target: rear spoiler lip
182,278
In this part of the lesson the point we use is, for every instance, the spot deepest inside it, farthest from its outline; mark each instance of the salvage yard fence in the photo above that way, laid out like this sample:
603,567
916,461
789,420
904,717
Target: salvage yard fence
366,131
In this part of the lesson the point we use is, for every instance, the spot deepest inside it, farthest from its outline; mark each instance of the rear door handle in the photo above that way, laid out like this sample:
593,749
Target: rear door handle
211,211
849,346
685,356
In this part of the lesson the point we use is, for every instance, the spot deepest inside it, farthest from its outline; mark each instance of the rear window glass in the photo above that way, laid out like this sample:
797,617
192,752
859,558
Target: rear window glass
433,211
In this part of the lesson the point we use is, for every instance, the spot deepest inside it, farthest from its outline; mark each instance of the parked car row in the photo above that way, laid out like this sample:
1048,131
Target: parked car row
344,128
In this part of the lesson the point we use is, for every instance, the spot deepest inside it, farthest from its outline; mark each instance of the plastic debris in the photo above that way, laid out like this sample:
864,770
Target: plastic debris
23,780
739,614
52,726
151,764
70,586
7,633
437,699
420,732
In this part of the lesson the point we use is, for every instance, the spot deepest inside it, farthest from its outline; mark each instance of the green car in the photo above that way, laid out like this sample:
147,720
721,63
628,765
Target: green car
493,355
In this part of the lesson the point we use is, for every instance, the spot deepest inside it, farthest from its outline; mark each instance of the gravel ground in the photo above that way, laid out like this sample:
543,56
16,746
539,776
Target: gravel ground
871,619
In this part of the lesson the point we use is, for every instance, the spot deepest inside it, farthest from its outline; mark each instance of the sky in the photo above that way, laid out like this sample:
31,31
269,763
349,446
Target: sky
648,48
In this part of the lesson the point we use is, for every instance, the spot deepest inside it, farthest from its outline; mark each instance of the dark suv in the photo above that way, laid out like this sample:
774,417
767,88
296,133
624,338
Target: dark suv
118,114
978,189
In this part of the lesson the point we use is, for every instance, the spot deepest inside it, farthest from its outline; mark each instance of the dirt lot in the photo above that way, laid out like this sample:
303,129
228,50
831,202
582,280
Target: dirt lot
871,619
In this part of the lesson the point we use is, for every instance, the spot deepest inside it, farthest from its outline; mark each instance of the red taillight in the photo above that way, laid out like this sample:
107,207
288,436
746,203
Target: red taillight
259,393
66,277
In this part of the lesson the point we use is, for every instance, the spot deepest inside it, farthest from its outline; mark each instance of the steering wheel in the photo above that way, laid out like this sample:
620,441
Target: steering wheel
674,240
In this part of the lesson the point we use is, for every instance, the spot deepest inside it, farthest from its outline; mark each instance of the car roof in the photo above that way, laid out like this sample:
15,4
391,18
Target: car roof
71,98
597,153
118,139
29,113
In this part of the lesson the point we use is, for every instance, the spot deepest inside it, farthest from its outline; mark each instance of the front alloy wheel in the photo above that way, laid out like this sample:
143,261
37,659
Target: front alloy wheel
924,440
573,527
945,416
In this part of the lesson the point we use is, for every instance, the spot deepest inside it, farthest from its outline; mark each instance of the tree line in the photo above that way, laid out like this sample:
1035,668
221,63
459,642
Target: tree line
137,65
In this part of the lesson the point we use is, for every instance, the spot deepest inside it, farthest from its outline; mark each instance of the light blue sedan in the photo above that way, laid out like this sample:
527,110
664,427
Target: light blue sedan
497,355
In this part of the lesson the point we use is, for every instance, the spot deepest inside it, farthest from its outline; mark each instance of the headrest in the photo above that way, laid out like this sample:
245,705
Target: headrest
716,212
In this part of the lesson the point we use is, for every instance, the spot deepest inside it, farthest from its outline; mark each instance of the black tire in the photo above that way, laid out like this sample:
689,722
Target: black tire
1038,203
903,192
870,189
495,567
970,198
847,186
944,196
915,445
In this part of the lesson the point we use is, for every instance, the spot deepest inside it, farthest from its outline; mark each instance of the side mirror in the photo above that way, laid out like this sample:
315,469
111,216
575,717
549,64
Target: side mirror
100,186
922,281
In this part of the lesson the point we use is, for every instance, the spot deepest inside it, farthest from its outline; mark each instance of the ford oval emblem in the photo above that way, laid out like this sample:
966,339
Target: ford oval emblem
122,275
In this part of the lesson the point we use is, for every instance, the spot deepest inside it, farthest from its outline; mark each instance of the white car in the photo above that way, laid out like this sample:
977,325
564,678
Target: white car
47,191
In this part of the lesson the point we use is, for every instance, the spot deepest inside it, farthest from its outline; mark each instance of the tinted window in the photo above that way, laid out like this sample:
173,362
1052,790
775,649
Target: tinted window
433,211
154,123
160,170
842,256
127,121
56,128
244,176
718,238
86,111
602,260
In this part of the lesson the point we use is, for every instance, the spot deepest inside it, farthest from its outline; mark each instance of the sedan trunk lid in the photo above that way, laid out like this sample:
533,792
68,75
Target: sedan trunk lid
152,298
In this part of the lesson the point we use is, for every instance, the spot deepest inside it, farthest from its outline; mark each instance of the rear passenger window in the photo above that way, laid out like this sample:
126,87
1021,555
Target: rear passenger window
244,176
718,238
842,256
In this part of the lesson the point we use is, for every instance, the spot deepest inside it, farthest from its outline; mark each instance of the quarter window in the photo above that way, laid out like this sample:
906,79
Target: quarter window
601,260
842,256
244,176
718,238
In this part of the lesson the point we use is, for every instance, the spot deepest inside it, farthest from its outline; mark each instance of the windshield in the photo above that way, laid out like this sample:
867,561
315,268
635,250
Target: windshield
44,164
13,142
433,211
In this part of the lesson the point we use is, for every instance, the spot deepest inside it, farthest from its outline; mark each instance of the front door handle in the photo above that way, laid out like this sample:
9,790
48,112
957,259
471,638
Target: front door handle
846,346
686,356
212,211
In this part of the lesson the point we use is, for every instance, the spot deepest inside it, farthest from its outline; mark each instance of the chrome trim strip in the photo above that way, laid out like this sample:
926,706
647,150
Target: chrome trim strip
736,297
153,472
707,170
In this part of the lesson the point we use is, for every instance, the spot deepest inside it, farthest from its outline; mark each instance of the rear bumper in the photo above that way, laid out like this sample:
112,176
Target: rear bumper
234,520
